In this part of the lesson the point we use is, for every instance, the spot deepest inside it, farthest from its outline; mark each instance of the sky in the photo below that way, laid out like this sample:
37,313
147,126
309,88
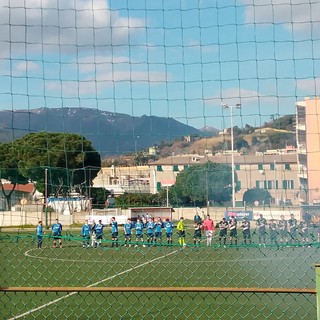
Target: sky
171,58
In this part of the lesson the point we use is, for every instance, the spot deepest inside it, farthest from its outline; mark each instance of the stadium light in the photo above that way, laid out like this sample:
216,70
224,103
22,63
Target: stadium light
237,106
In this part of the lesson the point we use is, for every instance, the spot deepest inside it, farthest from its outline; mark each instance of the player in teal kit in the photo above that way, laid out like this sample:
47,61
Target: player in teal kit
86,233
168,227
158,230
127,227
98,229
114,232
56,233
150,231
139,231
40,234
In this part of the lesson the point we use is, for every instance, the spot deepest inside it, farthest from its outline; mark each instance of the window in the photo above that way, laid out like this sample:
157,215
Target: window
287,166
288,184
272,166
237,166
175,168
270,184
260,166
159,168
238,185
185,167
159,186
260,184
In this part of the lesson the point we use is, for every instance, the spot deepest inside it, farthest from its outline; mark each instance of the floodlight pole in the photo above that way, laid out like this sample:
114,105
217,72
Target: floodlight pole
46,196
237,106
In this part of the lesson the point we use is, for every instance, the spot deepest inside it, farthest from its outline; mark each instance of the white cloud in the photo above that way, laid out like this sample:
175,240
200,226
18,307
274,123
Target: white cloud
233,96
24,67
62,25
309,86
295,15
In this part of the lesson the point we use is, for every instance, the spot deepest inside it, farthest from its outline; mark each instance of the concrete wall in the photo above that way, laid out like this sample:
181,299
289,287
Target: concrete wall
24,218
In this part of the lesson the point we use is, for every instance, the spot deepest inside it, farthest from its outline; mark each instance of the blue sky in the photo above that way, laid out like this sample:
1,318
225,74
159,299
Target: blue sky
171,58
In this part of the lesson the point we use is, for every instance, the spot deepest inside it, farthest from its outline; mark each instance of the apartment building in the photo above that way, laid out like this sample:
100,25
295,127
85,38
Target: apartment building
133,179
278,173
308,150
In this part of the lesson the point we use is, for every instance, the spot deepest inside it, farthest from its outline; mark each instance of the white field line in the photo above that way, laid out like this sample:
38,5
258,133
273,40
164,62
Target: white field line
92,285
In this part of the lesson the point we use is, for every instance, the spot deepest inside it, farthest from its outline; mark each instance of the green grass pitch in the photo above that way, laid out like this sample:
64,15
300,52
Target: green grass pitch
22,264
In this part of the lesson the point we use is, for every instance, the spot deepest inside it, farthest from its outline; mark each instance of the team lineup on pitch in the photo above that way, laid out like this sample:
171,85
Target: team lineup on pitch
148,231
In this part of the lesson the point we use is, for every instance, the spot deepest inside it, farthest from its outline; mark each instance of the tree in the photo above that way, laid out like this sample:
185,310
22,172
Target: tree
199,183
9,171
240,143
256,194
69,159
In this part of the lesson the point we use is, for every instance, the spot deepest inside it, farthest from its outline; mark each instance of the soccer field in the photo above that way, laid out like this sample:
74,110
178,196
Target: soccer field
157,266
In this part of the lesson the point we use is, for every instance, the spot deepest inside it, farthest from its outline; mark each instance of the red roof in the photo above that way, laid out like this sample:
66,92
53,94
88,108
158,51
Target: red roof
28,188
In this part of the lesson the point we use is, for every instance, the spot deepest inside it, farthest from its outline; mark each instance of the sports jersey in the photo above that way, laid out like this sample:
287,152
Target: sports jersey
150,227
139,227
158,226
223,225
197,230
56,229
85,230
98,228
114,226
273,230
128,228
168,226
233,224
39,230
208,225
293,223
180,226
282,224
261,223
245,225
304,227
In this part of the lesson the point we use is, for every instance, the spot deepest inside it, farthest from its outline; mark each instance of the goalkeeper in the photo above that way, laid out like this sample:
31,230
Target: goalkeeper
181,232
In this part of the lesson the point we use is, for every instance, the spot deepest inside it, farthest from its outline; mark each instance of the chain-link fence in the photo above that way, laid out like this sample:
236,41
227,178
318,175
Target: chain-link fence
134,280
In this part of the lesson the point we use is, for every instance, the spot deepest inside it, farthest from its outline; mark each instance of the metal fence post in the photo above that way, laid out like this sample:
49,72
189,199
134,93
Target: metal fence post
318,290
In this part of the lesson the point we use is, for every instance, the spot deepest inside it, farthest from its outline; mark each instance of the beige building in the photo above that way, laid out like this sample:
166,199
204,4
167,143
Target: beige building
276,173
133,179
308,148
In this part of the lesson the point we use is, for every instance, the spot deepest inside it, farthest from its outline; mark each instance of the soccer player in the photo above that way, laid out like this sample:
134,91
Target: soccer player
273,232
150,231
127,227
40,234
293,226
98,228
197,233
139,231
304,225
246,232
233,231
261,224
223,226
158,230
182,233
85,232
56,232
114,232
283,229
208,226
168,226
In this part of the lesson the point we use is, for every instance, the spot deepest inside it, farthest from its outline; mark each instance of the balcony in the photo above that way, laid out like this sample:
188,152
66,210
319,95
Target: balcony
301,126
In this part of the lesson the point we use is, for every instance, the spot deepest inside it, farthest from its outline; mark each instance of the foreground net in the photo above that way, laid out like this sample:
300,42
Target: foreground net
129,75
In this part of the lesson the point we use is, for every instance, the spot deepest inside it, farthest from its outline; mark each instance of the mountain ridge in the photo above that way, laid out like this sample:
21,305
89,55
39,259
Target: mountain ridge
110,133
